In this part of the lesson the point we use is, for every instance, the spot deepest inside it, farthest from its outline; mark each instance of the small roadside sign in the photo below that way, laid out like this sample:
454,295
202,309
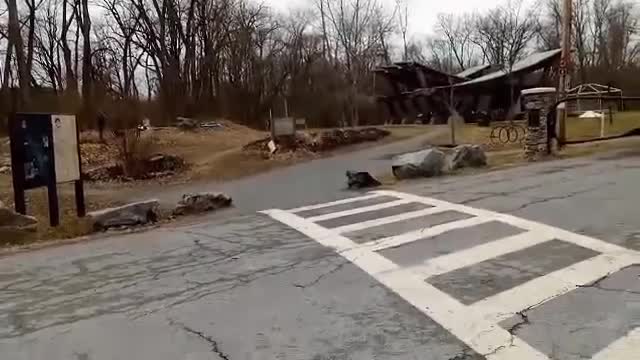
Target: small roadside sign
45,152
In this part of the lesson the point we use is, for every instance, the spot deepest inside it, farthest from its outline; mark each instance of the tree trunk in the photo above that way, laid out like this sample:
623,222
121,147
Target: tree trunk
7,68
71,82
15,41
87,68
31,36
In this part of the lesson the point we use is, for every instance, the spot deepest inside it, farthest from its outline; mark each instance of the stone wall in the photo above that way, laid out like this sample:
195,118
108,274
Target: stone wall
537,102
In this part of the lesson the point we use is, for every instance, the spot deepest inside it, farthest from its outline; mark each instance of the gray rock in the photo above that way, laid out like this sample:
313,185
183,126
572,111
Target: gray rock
202,202
5,169
467,156
187,123
10,218
138,213
425,163
14,226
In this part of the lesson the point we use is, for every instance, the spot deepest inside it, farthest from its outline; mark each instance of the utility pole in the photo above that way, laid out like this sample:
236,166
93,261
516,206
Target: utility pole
565,67
452,117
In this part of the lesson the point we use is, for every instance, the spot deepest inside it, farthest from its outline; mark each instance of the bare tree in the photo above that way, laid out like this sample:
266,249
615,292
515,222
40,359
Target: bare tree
122,35
359,27
84,23
549,25
32,6
440,56
505,32
16,43
623,47
457,33
403,22
71,79
582,16
228,57
326,47
47,67
599,31
416,51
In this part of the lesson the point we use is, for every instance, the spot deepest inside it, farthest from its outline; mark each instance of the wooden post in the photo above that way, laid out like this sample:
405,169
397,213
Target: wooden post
452,117
17,167
610,114
286,107
601,118
54,207
81,208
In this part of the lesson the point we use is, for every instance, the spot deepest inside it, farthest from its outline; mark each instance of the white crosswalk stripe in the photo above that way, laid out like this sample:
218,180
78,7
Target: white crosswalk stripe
505,304
358,210
475,324
387,220
401,239
337,202
624,348
458,260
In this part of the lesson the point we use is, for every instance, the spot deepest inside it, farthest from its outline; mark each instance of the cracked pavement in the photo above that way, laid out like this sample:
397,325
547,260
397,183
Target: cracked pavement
240,288
240,285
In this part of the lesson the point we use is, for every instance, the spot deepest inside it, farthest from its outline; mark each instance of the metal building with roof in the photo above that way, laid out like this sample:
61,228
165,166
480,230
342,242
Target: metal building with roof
467,93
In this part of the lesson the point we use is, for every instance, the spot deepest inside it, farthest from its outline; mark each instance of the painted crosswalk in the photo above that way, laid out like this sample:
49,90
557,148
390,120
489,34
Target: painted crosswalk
412,245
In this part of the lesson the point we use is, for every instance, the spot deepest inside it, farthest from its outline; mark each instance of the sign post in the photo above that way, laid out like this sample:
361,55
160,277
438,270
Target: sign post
45,152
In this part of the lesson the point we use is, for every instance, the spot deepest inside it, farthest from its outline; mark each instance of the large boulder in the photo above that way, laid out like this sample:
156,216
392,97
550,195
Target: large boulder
361,179
467,156
200,203
186,123
103,173
159,163
11,220
425,163
5,165
16,227
138,213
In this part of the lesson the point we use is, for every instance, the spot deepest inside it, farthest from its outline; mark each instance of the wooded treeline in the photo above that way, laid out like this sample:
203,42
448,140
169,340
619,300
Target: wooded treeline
605,39
239,59
231,58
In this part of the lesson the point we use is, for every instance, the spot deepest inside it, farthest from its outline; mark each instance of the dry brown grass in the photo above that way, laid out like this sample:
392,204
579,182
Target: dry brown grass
213,155
577,129
630,143
474,134
581,129
208,152
234,163
37,205
511,157
200,145
401,132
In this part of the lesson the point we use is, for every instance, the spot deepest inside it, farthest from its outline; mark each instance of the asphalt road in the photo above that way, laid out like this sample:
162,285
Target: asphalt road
317,180
536,262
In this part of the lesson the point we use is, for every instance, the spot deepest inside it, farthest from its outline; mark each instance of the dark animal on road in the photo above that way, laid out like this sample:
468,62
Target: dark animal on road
361,179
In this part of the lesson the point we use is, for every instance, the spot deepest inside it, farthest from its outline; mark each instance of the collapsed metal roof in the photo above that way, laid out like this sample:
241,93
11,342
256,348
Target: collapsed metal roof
413,64
530,63
473,70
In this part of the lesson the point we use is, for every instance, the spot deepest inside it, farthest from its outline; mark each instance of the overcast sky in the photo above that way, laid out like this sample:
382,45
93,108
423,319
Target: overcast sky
422,13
